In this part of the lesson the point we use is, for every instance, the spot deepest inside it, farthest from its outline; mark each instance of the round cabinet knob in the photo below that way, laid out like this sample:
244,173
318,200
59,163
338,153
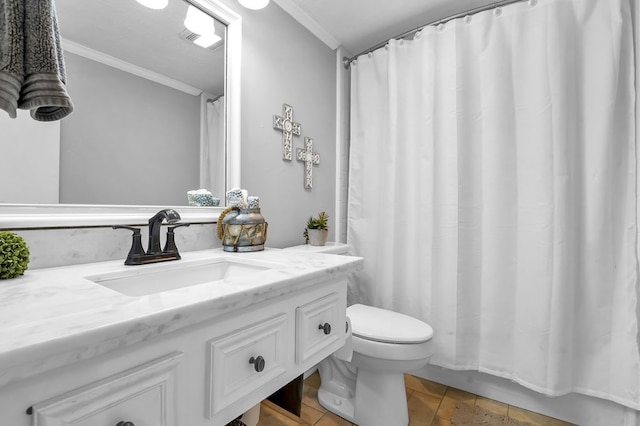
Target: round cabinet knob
326,328
125,424
258,363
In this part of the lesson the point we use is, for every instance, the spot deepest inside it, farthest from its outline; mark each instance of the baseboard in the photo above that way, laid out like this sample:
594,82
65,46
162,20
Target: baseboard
574,408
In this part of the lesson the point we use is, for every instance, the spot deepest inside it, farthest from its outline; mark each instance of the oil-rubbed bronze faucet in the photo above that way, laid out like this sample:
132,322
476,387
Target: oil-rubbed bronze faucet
155,223
137,255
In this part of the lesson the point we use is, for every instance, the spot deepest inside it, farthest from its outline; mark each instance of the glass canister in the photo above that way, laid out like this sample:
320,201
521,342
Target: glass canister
242,229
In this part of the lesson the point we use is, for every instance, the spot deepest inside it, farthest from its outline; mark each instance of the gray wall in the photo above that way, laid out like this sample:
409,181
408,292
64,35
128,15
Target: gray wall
282,62
128,141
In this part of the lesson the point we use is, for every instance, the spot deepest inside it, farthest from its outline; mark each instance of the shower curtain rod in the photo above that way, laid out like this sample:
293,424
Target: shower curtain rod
347,61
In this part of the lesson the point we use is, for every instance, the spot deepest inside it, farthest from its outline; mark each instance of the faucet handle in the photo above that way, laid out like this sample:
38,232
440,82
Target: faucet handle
131,228
136,251
171,228
170,244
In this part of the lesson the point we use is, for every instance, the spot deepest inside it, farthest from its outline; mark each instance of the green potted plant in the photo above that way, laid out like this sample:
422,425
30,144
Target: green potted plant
317,230
14,255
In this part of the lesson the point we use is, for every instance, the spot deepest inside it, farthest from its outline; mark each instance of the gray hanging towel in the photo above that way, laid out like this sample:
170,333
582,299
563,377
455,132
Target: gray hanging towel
43,91
11,54
31,27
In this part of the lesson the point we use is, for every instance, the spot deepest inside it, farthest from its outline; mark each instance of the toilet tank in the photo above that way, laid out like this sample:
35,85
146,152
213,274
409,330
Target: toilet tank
331,248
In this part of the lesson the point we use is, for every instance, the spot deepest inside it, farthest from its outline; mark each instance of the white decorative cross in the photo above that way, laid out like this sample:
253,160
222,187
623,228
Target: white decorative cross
288,127
310,158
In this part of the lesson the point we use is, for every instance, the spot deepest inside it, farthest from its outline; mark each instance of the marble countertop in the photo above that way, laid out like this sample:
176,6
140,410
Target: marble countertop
56,316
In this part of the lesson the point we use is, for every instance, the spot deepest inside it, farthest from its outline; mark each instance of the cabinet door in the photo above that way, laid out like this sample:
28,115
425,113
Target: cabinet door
318,325
144,396
246,360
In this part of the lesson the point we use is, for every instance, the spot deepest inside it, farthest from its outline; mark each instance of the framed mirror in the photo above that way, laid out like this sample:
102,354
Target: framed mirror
140,135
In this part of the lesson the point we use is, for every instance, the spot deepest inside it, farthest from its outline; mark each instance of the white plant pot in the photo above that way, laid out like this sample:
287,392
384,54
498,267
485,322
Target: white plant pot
317,237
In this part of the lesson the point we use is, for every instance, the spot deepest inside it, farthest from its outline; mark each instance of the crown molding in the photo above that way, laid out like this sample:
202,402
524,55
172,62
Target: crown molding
103,58
308,22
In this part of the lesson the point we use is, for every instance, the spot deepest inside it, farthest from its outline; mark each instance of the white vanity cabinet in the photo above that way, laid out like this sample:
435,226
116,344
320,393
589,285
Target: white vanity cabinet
205,373
319,324
142,396
137,386
246,360
251,362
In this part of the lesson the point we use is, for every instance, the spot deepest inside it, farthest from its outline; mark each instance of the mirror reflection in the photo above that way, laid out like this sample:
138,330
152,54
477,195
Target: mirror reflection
148,120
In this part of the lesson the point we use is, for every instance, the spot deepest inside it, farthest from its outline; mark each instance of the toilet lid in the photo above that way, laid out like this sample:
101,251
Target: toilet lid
381,325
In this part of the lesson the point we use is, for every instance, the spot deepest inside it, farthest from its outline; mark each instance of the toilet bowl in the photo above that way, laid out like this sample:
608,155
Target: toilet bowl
369,389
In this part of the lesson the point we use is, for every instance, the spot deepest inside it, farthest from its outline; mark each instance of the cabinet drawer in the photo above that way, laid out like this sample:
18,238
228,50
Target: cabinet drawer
144,395
318,325
244,361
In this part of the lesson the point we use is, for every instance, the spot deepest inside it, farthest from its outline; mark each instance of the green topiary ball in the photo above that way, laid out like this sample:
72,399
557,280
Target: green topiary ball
14,255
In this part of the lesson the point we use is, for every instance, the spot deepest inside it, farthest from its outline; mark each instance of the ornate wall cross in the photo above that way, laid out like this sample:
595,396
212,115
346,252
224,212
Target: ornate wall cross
310,158
288,127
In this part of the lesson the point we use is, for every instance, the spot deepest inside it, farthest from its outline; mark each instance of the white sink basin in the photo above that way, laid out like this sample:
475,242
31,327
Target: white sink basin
151,279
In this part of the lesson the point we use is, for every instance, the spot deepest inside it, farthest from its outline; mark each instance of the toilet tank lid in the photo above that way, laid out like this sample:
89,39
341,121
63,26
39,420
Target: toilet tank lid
386,326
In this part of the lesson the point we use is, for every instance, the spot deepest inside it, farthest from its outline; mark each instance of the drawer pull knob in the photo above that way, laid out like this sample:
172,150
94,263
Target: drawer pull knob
258,363
326,328
125,424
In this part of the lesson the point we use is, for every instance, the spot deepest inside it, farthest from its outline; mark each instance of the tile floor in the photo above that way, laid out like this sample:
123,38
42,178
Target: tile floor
429,404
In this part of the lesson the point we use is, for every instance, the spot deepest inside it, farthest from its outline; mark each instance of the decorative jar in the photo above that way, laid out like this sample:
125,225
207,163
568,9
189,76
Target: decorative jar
242,230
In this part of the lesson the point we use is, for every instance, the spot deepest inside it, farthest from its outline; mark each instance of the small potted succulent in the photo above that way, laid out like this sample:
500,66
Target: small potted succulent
14,255
317,230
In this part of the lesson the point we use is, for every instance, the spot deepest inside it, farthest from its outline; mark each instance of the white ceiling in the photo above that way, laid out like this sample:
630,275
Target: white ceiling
145,38
360,24
133,33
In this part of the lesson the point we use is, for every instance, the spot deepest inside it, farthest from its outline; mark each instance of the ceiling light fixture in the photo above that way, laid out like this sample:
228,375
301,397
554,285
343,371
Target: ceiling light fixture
207,40
154,4
199,22
254,4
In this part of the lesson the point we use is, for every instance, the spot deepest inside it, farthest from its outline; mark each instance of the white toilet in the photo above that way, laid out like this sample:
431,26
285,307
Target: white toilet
369,389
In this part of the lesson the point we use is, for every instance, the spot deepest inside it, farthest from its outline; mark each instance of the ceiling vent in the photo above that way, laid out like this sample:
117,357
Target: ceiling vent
190,36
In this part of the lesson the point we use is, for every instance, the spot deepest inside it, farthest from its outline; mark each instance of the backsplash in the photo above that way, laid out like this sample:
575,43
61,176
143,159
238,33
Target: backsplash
51,247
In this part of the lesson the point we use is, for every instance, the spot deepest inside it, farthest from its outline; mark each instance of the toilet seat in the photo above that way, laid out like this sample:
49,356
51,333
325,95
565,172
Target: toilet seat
391,351
381,325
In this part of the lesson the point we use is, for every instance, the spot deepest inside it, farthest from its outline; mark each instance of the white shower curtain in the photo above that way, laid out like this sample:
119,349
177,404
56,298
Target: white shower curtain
493,192
212,149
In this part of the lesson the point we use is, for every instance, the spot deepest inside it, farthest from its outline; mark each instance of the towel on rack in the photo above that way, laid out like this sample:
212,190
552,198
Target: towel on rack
11,54
30,27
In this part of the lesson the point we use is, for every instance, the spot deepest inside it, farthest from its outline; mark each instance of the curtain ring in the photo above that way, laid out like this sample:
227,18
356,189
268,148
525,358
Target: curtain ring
440,27
467,19
533,2
418,34
369,54
497,11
